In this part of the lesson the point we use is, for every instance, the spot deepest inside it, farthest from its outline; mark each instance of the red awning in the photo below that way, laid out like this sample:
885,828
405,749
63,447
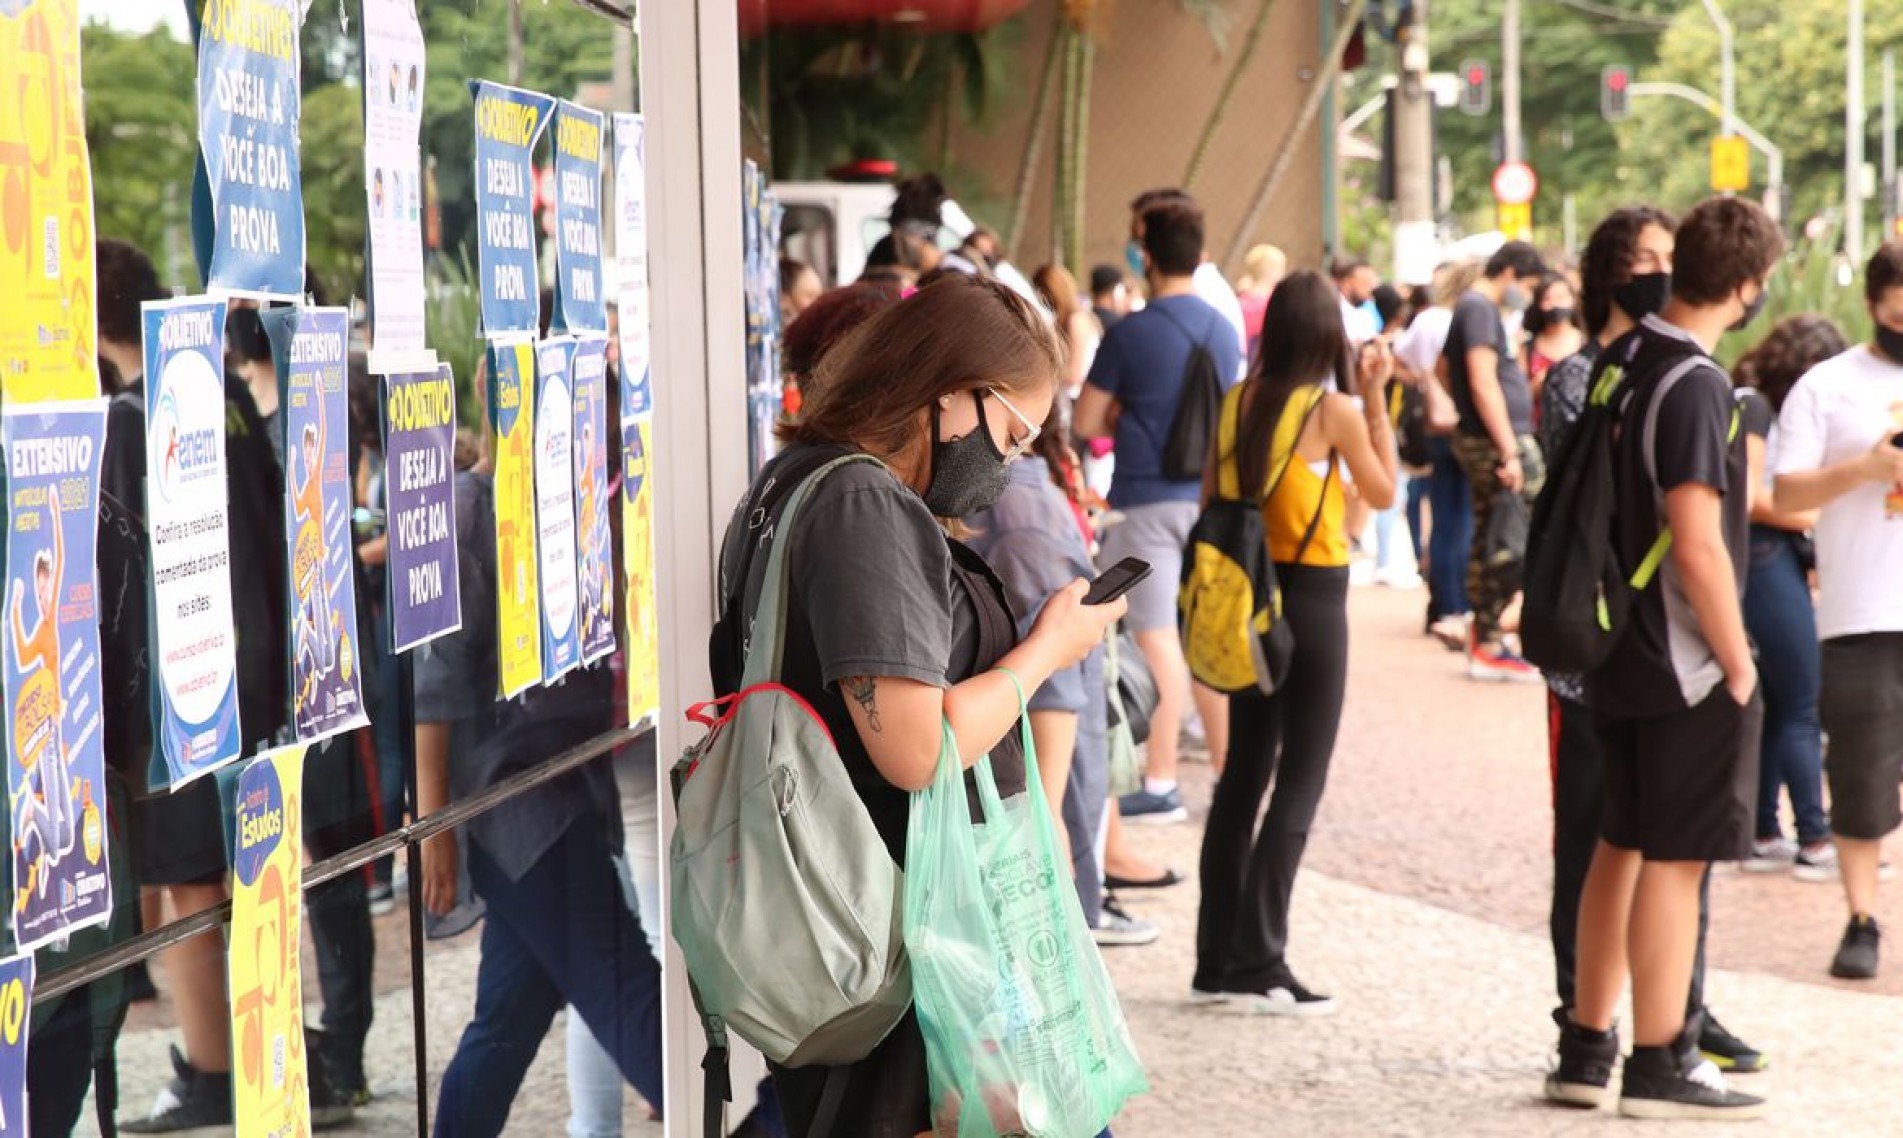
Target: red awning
916,15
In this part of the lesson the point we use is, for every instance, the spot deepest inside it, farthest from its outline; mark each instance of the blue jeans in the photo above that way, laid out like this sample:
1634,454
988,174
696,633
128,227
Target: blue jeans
1451,534
560,935
1417,486
1778,614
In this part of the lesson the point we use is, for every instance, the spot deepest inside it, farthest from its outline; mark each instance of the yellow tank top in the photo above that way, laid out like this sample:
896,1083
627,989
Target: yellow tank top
1299,493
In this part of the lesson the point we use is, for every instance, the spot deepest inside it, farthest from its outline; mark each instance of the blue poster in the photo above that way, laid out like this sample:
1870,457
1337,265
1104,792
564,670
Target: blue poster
631,268
195,665
594,543
579,304
419,443
555,505
311,346
16,1000
508,121
56,760
248,94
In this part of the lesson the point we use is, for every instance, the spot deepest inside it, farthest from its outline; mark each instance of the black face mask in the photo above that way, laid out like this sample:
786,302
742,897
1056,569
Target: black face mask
968,474
1752,310
1890,342
1643,296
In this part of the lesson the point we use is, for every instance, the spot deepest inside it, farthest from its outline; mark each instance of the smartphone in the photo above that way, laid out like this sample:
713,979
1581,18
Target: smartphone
1117,580
1896,440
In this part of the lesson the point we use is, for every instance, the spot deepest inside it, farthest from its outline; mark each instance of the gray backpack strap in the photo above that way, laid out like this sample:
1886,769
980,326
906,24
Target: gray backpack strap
766,639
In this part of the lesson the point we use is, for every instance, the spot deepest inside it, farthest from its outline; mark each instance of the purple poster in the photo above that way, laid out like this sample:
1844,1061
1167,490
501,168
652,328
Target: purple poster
419,439
16,997
594,547
56,764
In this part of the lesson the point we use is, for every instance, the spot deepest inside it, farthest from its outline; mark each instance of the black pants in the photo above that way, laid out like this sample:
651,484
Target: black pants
1578,793
337,816
1248,876
886,1093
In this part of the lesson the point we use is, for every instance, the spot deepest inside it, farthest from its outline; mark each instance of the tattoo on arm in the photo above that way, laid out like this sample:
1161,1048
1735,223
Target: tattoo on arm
864,690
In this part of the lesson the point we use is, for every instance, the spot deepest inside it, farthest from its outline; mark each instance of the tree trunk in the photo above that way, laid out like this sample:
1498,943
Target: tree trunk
1228,92
1034,139
1325,76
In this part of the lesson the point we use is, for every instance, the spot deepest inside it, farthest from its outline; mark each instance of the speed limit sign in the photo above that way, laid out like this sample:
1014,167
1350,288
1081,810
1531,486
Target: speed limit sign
1514,183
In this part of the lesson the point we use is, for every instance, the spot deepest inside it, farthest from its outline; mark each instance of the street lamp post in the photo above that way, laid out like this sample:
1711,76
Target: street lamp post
1853,136
1774,157
1728,82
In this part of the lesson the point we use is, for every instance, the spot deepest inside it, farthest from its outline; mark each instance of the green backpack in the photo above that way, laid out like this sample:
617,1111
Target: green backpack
785,902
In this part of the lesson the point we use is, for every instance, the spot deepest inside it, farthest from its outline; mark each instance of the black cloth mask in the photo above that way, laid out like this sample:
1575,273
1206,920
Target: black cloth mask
1890,340
1752,310
1644,295
968,473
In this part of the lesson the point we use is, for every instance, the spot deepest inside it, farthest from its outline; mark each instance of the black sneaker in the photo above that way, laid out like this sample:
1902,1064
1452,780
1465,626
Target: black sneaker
1676,1082
1726,1051
1583,1076
1285,997
193,1100
331,1103
1857,955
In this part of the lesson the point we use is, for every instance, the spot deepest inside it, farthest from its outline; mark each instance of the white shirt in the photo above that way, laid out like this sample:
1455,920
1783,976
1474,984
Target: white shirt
1838,411
1421,345
1357,323
1214,290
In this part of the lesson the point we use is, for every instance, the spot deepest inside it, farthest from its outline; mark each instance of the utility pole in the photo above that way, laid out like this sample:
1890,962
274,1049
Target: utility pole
1412,105
1889,146
1853,137
1511,145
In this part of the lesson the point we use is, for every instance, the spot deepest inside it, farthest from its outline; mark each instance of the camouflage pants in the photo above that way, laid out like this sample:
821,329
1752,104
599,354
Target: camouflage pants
1494,573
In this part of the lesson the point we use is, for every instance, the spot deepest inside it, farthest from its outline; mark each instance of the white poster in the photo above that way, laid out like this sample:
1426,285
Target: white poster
631,266
555,506
392,163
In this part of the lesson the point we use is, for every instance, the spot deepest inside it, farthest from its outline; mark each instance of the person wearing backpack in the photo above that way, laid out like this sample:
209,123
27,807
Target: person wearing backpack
1675,698
1174,357
891,627
1294,436
1840,452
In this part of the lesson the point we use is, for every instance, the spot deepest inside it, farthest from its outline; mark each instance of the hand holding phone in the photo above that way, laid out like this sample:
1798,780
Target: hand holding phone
1117,580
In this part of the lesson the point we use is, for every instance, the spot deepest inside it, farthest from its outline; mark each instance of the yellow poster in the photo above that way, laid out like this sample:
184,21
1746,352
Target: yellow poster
47,320
518,596
269,1079
642,658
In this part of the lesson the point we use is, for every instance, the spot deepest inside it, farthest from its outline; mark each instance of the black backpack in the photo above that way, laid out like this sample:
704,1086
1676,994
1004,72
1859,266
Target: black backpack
1198,408
1578,593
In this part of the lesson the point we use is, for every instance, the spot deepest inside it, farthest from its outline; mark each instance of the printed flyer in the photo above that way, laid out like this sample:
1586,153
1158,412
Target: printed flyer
311,346
512,443
47,334
419,445
269,1081
643,658
248,108
631,266
579,304
393,69
594,541
508,121
16,1004
555,505
195,684
56,760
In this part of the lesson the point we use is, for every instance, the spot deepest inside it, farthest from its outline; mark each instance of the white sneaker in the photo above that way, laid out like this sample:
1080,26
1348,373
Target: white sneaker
1118,928
1820,865
1398,577
1771,855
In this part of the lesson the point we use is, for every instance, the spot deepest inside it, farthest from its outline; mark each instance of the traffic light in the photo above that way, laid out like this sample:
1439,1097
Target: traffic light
1615,92
1476,90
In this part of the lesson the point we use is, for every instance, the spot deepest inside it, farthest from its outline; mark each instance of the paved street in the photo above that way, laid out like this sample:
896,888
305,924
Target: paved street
1423,911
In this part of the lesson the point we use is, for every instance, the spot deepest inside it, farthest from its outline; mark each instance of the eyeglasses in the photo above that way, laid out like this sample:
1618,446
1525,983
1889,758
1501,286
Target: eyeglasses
1031,430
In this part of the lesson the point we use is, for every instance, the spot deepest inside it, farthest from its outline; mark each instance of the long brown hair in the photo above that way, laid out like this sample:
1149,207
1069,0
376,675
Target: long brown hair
956,334
1059,290
1303,343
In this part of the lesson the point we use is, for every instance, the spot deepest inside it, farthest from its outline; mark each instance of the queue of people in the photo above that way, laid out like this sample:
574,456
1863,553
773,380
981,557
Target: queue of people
1667,759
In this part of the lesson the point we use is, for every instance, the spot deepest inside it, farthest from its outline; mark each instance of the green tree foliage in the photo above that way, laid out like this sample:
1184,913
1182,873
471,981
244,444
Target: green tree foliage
141,128
336,216
1790,77
1565,45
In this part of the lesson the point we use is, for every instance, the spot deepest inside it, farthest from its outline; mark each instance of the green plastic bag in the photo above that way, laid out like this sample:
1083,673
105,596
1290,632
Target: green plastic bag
1023,1031
1126,765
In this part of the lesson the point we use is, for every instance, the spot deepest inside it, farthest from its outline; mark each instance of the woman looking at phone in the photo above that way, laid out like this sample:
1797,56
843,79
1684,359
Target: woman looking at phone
1294,437
895,627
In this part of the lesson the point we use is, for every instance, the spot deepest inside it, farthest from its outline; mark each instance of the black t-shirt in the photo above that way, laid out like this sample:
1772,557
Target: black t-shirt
873,591
1477,324
1755,414
1676,429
